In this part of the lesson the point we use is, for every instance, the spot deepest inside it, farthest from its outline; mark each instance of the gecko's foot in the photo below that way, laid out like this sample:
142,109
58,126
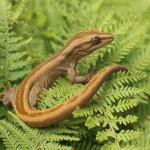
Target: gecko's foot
8,95
4,99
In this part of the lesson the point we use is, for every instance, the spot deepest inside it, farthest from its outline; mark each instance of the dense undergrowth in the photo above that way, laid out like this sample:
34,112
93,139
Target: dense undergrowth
118,116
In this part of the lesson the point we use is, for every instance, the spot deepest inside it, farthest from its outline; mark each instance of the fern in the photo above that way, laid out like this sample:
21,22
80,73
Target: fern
12,60
144,64
118,115
16,10
58,93
104,114
16,134
88,145
23,137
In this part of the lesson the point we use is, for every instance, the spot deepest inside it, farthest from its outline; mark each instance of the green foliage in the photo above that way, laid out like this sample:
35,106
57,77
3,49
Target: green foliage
17,135
108,111
88,145
14,62
58,93
117,117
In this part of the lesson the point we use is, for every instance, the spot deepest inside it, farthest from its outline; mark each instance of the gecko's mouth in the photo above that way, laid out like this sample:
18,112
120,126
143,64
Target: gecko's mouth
106,38
106,42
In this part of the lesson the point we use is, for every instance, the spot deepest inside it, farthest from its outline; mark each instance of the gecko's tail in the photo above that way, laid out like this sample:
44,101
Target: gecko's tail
43,118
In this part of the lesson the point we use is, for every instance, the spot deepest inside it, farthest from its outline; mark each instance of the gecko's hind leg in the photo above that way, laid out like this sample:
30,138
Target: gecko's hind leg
8,96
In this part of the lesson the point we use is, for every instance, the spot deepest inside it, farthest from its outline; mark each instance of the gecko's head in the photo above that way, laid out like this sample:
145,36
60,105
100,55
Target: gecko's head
85,43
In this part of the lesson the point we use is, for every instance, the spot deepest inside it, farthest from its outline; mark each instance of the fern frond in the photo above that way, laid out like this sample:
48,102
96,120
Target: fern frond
141,61
63,130
98,120
14,133
126,120
9,141
55,146
124,105
114,146
86,111
61,91
57,138
26,137
122,49
120,93
126,43
93,121
126,78
11,63
16,10
123,135
106,20
86,145
103,135
124,25
31,133
143,141
110,146
127,135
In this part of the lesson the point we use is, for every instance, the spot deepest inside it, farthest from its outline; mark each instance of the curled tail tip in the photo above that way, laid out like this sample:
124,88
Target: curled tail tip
121,67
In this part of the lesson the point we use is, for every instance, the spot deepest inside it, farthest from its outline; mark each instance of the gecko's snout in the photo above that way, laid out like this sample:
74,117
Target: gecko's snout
110,38
106,36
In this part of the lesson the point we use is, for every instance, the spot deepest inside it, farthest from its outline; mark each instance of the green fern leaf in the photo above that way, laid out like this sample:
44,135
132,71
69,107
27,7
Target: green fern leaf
127,135
9,49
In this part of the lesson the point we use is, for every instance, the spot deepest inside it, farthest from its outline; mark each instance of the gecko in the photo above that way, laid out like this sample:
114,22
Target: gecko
24,97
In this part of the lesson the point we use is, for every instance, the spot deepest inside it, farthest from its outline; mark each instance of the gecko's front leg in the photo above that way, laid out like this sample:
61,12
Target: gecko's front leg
74,78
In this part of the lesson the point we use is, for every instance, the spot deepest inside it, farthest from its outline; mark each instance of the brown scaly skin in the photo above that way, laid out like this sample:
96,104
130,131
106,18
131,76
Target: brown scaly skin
23,98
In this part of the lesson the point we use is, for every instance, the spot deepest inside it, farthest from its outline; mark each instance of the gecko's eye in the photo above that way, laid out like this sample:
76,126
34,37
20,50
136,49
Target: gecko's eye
95,40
